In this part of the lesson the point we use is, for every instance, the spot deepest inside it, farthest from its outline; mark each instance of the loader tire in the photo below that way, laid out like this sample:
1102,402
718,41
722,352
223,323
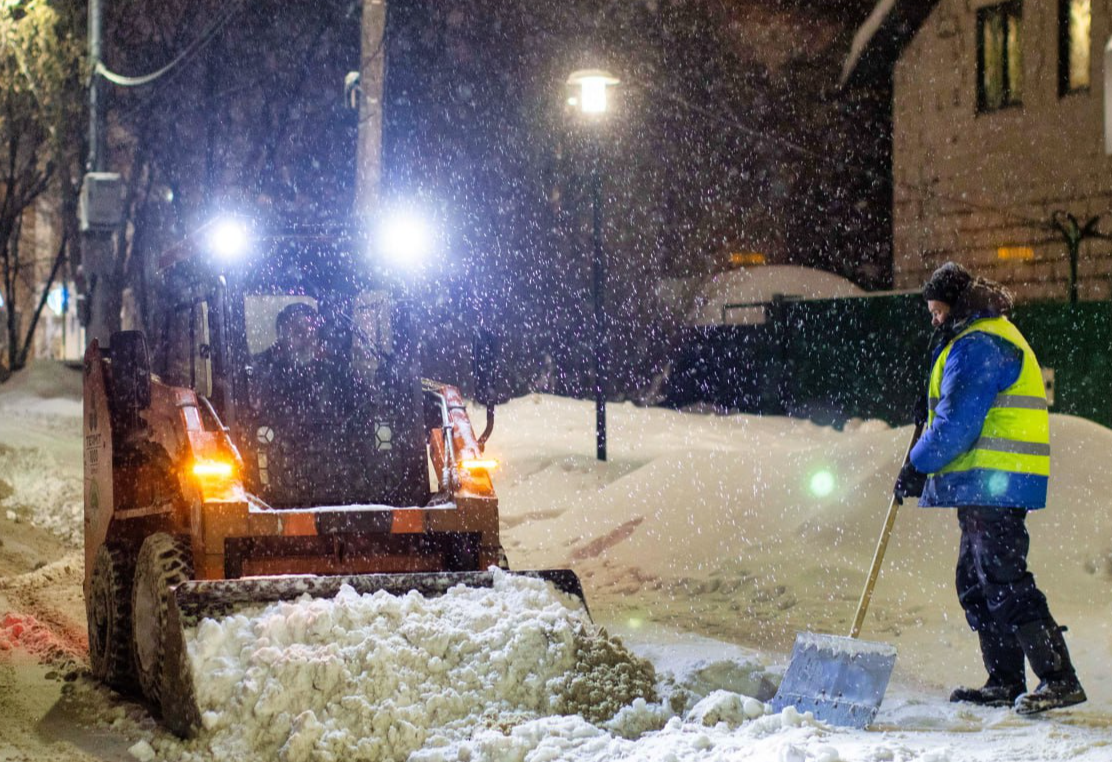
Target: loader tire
164,561
108,614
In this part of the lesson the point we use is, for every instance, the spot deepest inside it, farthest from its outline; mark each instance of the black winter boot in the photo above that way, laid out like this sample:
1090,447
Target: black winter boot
989,695
1046,650
1003,658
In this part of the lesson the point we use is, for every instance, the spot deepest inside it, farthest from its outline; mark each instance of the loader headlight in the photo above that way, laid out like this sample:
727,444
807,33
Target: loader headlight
405,238
474,476
229,238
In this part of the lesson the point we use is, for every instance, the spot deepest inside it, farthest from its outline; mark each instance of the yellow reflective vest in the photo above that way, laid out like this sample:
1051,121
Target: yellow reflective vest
1015,436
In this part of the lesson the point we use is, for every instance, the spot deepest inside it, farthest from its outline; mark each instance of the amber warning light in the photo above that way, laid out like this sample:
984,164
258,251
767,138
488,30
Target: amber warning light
217,480
212,469
488,464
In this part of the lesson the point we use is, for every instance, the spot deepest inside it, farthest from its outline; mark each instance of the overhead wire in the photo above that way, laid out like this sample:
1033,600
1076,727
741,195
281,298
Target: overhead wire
186,53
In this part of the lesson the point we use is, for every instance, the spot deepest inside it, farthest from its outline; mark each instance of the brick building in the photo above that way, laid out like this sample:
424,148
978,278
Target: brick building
1001,138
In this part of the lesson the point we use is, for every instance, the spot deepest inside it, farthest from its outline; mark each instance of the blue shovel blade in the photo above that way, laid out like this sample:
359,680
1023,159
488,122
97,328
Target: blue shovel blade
841,680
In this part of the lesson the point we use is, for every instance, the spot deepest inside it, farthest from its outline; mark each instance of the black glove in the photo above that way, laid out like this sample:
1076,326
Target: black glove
920,413
909,483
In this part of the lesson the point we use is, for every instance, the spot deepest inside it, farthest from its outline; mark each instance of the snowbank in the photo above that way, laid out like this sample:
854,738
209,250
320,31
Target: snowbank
40,449
34,489
44,388
717,525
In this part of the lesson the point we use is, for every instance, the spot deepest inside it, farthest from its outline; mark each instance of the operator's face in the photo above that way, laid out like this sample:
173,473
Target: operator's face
939,312
300,337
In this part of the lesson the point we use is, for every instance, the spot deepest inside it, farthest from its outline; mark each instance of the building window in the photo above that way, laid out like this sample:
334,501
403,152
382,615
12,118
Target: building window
1074,19
999,56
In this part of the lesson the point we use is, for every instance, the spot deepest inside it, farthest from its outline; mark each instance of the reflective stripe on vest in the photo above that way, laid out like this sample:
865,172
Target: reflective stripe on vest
1015,436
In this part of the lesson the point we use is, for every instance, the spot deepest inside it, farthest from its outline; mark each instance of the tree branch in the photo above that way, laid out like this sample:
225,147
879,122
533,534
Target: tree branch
21,359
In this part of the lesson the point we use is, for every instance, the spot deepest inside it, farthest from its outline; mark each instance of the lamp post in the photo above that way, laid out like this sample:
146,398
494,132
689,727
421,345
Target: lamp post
591,103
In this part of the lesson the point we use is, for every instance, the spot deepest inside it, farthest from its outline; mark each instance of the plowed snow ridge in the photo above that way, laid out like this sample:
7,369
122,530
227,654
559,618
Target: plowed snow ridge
378,677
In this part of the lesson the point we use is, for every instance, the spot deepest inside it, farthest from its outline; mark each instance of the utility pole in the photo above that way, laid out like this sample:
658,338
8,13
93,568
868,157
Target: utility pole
95,160
372,75
100,209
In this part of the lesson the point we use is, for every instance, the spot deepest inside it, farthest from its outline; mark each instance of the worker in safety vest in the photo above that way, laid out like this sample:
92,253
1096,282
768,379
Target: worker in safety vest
985,450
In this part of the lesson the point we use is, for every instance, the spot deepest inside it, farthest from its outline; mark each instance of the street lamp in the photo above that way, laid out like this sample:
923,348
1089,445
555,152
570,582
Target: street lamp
590,101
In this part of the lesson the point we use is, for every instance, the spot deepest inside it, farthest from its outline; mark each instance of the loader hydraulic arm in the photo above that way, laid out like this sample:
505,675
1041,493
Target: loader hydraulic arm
455,444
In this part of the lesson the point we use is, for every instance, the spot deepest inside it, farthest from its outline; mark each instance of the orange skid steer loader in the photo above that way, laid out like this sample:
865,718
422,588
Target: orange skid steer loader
280,442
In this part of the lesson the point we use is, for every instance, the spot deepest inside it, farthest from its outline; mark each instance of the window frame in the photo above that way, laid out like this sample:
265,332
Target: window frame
1064,49
1005,10
187,358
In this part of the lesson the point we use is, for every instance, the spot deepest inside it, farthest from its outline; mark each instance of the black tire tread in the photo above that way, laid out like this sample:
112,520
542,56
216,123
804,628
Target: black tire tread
169,559
113,664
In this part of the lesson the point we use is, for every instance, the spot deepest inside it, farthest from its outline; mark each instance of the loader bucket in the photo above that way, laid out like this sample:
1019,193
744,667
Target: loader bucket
194,601
840,680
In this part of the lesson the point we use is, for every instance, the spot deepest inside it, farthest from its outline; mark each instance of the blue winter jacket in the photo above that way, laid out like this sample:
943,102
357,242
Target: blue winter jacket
979,367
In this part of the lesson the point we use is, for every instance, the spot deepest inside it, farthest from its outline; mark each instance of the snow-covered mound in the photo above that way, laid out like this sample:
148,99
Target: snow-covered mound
35,490
40,449
750,529
381,676
44,388
717,301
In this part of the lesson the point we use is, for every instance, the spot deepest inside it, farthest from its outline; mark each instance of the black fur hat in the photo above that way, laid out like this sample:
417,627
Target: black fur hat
947,284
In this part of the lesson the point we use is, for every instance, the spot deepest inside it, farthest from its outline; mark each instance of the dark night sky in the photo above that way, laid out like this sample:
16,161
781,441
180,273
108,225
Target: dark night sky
703,157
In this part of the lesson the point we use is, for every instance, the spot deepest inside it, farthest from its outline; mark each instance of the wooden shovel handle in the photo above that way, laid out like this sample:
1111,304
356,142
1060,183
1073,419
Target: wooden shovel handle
881,545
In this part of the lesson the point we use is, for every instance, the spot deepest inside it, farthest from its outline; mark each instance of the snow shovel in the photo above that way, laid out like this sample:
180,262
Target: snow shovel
842,680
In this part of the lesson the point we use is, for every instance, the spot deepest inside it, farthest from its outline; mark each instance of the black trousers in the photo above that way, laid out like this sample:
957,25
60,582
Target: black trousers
996,589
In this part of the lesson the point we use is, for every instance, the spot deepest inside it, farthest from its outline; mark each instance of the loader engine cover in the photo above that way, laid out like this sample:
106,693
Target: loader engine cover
318,459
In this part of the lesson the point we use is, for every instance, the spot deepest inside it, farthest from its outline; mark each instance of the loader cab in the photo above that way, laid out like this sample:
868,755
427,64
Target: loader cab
311,366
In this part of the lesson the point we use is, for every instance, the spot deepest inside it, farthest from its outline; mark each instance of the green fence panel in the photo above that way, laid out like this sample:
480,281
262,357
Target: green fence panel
867,357
860,357
1074,347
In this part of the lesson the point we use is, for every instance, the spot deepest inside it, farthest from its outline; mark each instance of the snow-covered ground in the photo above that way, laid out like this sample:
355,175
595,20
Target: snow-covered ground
705,543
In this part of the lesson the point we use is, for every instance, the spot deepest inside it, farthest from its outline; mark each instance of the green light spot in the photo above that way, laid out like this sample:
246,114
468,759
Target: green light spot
822,483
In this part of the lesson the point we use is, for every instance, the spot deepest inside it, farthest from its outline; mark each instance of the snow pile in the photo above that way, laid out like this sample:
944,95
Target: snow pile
377,677
49,391
718,525
603,680
34,489
730,708
25,632
755,735
40,449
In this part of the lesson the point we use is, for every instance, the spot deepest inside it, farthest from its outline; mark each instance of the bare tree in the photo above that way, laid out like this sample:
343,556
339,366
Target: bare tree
38,60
